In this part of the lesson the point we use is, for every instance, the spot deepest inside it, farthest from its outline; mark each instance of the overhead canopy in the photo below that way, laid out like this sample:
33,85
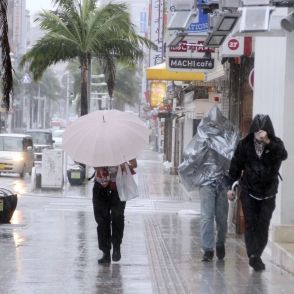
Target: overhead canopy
217,73
161,73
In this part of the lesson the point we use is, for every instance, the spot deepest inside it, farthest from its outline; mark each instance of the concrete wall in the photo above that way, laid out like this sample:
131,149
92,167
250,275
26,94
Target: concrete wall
273,95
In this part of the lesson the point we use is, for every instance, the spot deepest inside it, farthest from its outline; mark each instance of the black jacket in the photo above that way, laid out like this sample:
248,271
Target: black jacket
258,175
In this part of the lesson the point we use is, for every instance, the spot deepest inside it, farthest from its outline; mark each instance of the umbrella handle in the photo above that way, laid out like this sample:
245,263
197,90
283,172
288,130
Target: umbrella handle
233,188
235,185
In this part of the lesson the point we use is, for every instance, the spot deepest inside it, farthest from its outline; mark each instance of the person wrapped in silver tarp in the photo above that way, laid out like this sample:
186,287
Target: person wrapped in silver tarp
206,163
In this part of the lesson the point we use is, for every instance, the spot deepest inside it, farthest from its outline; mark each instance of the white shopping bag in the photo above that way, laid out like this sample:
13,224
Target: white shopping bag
125,183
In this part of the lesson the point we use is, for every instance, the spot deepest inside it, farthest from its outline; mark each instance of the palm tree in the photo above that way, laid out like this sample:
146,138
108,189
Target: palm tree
5,67
128,86
78,29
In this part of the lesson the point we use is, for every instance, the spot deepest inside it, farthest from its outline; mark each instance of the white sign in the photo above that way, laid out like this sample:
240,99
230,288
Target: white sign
232,47
26,79
52,168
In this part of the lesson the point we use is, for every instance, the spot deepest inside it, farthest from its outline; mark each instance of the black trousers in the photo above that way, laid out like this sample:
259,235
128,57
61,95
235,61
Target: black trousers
257,216
109,216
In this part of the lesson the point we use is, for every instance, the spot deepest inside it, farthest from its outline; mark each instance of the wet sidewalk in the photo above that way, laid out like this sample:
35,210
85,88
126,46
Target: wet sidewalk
51,246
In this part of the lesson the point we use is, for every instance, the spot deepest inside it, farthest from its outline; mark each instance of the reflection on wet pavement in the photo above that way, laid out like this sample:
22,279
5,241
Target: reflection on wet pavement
51,246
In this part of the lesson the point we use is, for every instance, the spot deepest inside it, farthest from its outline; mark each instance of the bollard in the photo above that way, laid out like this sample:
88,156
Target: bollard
33,179
8,202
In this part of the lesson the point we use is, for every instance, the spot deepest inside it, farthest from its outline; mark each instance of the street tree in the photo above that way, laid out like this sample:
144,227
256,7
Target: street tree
79,29
127,87
48,87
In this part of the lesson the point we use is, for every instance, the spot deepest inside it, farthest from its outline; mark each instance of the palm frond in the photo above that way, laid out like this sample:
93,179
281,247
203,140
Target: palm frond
67,5
48,51
78,29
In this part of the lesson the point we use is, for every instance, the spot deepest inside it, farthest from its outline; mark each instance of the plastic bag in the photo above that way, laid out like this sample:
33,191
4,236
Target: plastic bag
125,183
208,155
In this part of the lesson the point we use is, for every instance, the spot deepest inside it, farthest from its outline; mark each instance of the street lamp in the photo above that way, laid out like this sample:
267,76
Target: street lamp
181,20
184,13
220,24
176,39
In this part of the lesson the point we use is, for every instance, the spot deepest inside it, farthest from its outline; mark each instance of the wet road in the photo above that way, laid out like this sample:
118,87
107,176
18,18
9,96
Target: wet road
51,245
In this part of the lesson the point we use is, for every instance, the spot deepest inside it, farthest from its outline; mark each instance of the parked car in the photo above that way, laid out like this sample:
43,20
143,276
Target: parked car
57,137
16,154
42,139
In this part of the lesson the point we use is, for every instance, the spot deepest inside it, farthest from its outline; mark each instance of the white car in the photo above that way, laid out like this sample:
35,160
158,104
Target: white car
16,154
57,138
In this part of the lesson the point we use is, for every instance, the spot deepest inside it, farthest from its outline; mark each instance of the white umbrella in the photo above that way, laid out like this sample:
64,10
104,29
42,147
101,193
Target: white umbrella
105,138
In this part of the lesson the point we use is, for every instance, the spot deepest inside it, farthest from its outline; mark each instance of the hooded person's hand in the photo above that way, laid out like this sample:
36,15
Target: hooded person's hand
263,137
231,195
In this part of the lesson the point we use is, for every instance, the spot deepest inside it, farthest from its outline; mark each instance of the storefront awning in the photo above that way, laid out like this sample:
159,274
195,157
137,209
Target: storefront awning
159,72
217,73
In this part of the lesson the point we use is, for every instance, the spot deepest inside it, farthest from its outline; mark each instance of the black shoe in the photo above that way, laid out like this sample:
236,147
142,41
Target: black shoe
116,256
256,263
220,252
105,258
207,256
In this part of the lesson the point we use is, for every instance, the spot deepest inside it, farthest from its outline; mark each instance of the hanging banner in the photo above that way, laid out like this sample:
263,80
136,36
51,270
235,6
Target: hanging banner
156,31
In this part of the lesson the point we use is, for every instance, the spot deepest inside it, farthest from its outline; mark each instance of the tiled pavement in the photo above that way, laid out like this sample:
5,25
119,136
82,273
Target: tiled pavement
51,246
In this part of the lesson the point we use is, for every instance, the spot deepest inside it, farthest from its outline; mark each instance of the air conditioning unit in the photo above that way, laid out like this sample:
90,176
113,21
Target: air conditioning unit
256,2
255,18
260,22
229,4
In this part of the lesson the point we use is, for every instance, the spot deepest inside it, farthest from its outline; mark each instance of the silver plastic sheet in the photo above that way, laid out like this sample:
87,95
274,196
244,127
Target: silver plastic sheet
207,157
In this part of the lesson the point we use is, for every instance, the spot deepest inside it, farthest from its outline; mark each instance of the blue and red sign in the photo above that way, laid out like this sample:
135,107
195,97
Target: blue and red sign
200,25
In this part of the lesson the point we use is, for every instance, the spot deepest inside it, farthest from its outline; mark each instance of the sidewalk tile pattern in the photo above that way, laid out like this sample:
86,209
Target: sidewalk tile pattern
51,246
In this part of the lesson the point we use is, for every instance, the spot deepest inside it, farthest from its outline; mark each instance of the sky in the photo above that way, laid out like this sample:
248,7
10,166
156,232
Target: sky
36,5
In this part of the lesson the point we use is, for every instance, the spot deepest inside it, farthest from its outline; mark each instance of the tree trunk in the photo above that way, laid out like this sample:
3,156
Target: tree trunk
5,61
89,82
84,86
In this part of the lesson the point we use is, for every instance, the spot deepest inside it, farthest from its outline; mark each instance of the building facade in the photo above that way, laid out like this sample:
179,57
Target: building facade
19,26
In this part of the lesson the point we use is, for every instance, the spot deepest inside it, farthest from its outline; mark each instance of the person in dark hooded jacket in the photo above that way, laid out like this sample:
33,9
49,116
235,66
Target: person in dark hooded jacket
256,163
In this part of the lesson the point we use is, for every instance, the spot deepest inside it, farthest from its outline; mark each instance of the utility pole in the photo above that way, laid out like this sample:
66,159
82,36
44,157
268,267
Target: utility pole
98,91
67,99
38,105
26,80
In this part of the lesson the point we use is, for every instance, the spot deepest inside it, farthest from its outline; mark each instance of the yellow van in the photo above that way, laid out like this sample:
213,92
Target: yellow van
16,154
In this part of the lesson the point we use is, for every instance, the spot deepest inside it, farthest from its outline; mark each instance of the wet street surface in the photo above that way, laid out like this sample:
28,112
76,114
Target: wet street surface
51,245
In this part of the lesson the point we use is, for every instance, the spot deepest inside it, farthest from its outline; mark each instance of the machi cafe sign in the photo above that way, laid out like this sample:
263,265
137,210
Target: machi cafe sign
191,55
191,63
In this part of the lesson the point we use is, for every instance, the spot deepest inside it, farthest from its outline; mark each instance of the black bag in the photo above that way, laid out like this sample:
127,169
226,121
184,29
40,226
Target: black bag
8,203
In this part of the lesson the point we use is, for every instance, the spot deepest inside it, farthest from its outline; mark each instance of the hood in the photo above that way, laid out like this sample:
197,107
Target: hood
262,122
214,124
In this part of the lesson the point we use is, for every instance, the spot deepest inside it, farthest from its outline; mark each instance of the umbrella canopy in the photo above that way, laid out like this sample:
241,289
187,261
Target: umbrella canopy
105,138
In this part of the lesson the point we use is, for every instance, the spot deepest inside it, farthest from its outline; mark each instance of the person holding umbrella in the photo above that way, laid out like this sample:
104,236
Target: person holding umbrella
256,163
109,211
102,139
